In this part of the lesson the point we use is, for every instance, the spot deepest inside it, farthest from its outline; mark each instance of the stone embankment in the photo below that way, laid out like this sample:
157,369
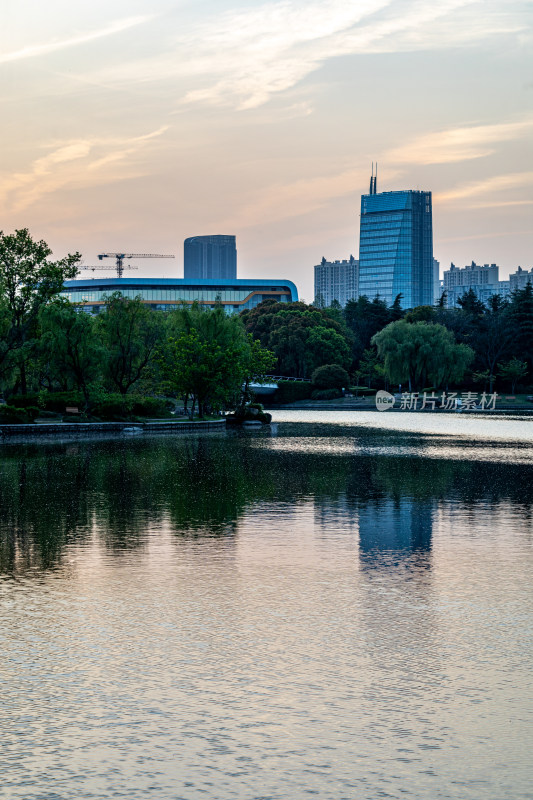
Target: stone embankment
84,428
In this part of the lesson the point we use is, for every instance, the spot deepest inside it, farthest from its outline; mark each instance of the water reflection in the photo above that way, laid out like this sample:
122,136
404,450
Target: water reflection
53,495
266,616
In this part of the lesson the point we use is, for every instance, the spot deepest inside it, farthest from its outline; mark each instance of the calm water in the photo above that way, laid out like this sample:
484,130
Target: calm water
339,607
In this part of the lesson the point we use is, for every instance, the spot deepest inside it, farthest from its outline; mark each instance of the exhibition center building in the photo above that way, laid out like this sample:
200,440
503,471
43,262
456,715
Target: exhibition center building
235,294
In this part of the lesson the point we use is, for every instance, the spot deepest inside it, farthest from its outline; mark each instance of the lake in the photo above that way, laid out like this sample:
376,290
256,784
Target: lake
338,606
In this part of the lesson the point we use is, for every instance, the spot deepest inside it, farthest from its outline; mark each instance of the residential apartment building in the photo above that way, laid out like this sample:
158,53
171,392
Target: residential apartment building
336,280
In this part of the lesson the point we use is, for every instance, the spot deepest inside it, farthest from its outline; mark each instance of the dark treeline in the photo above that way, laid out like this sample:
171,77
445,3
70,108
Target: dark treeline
473,345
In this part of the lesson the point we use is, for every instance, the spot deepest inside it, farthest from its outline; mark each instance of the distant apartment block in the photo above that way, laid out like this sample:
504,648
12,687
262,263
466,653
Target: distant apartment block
210,258
336,280
520,279
483,279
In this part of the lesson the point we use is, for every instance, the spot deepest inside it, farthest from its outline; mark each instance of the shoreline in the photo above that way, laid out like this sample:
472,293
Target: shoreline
85,428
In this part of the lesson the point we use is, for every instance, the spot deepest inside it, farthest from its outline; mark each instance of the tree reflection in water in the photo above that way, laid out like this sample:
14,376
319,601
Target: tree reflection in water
56,494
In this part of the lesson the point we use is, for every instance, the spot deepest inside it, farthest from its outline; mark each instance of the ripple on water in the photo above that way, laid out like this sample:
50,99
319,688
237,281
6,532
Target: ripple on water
266,617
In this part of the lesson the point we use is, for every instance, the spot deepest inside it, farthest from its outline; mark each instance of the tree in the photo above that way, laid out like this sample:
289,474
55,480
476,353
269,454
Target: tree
421,353
493,337
365,318
420,314
302,337
130,333
206,357
28,281
258,361
330,376
395,310
470,303
69,337
370,366
513,371
521,315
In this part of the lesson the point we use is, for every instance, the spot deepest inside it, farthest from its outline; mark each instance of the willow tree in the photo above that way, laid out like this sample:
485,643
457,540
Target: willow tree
68,337
422,353
130,334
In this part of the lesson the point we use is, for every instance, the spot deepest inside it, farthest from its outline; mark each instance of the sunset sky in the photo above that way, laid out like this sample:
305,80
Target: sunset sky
130,125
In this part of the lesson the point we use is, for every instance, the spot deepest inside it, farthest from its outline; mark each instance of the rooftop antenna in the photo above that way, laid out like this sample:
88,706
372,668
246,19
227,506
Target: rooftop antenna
372,180
376,180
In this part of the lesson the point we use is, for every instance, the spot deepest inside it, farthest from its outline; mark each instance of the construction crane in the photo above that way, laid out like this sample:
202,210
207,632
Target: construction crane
119,257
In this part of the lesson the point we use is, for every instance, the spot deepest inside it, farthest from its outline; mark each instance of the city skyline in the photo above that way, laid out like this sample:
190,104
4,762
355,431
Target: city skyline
133,130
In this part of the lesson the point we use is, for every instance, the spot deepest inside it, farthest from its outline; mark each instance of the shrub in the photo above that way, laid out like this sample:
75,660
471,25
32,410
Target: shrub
326,394
53,401
121,407
113,407
292,391
11,415
151,406
330,376
24,400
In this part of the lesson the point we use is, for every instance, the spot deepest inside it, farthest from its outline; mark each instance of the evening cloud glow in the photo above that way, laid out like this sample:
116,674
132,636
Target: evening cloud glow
261,120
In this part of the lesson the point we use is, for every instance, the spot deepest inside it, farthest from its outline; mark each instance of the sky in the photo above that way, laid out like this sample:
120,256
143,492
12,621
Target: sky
130,125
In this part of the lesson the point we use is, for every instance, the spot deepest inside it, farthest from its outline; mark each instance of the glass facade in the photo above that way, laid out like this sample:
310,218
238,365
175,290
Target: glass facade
210,257
162,294
396,247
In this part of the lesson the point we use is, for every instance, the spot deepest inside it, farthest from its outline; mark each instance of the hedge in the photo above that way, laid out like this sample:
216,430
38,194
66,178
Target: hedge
292,391
11,415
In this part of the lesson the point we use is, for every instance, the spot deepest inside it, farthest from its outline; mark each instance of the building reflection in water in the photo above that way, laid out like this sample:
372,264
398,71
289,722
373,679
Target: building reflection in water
396,524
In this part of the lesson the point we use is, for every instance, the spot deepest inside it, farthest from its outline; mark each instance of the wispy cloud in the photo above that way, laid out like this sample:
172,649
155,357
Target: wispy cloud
74,164
243,58
458,144
282,201
486,189
45,48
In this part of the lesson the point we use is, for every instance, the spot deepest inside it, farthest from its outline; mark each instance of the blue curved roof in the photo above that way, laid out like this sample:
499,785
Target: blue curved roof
118,283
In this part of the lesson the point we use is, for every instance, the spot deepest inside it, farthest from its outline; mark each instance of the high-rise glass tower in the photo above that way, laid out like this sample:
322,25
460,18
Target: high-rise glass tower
396,246
210,257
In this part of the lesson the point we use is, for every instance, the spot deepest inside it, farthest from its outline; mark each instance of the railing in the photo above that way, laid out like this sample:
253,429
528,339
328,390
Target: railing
286,378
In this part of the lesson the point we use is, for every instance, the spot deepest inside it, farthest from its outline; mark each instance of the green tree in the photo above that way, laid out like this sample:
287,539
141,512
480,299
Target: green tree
470,303
513,371
206,358
370,366
258,362
421,353
493,337
69,337
420,314
365,318
130,334
330,376
28,281
302,337
395,310
521,314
